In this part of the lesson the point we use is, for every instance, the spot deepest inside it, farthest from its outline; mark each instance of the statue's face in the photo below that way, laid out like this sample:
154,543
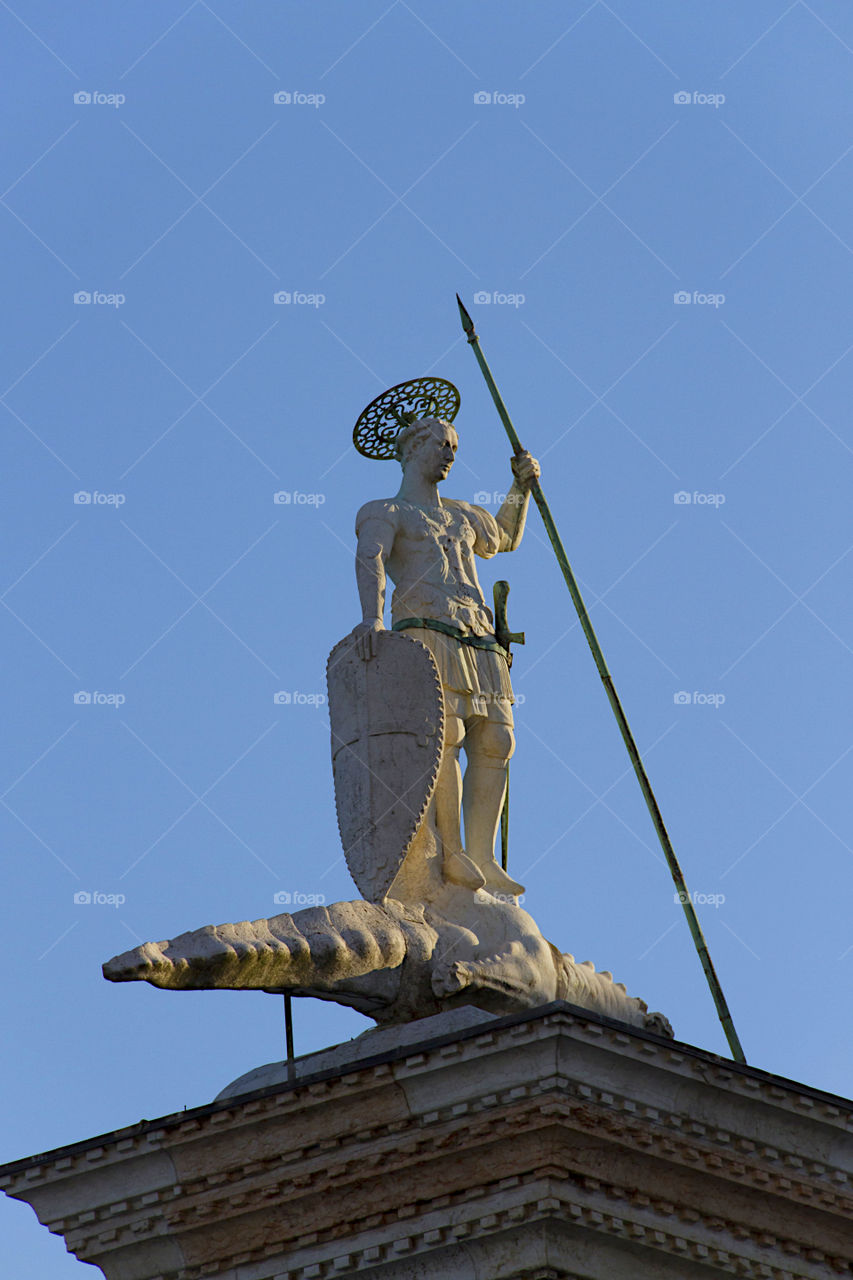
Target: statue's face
437,453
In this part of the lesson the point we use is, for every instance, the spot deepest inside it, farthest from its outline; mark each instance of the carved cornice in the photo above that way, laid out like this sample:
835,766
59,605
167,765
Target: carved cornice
554,1146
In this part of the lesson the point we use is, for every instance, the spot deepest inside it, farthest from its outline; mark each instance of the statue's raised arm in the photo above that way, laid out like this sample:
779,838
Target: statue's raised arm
513,513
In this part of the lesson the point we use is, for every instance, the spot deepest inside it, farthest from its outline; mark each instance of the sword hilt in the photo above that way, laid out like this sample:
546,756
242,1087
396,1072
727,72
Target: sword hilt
503,635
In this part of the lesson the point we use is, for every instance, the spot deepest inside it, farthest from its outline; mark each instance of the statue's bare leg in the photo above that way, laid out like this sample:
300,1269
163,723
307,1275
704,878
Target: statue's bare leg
489,745
448,809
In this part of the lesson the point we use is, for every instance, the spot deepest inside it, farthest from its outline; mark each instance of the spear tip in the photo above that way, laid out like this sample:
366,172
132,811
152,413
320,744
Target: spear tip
467,322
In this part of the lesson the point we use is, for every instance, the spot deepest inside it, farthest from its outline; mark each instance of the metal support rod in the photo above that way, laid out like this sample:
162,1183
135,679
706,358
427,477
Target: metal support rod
621,719
288,1035
505,825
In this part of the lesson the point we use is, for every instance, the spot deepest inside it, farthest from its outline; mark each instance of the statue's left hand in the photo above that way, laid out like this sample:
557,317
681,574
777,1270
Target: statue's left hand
525,469
364,634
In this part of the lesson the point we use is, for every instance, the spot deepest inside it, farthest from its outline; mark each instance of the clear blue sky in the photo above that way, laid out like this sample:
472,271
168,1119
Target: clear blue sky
581,199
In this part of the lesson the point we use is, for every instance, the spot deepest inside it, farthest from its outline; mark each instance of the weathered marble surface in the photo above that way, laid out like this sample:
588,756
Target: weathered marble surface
387,722
392,962
427,546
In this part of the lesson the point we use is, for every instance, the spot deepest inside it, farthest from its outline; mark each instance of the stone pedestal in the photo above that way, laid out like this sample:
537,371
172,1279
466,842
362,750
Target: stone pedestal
548,1145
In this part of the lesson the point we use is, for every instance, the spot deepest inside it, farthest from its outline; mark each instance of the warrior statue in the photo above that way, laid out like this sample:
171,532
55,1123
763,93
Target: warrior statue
439,923
426,545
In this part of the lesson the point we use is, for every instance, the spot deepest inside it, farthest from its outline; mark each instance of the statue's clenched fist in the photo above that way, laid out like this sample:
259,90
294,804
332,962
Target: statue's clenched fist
525,469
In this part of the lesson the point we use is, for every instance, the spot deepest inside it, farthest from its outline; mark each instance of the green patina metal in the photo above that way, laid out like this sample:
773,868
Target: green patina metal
505,826
613,698
447,628
502,631
506,637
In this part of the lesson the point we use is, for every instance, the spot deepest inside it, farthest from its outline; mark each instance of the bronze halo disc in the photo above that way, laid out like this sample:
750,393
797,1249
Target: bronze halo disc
375,433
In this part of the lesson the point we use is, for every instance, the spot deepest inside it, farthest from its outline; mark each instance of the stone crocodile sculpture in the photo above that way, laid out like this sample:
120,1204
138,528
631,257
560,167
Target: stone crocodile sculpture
390,961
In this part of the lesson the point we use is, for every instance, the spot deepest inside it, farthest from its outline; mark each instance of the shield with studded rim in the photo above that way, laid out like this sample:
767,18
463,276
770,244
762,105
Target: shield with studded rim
387,721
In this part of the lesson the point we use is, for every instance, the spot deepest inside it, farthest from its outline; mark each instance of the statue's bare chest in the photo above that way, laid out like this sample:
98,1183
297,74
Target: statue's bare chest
437,531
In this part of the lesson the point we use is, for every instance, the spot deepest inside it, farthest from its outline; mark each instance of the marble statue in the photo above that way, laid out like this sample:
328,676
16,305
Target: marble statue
427,546
439,923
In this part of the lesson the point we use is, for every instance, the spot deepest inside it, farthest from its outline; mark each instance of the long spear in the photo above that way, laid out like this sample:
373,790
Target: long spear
610,689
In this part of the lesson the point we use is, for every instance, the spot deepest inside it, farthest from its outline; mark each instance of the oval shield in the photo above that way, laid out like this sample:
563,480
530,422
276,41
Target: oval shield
387,720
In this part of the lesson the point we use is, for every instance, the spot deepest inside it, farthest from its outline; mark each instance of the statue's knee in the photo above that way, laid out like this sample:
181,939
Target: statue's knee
496,742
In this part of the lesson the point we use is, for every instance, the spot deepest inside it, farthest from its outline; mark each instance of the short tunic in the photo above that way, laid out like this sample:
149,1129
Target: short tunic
430,559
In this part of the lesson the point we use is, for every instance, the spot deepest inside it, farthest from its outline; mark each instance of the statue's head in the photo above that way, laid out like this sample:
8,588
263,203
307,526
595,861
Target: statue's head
428,444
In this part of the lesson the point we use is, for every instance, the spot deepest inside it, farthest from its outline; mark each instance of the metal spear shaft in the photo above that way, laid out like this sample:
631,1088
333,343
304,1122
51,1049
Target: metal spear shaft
610,689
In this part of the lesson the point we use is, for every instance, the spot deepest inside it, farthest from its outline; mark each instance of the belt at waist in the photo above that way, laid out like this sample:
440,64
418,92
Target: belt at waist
448,629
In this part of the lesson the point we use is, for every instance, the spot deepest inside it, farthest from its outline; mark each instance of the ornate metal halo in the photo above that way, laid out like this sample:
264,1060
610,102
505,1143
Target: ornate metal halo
375,433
